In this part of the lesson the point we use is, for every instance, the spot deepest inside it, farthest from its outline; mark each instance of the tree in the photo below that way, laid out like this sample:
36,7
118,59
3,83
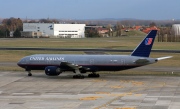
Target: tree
152,24
92,32
12,24
118,29
17,33
1,33
110,29
32,21
7,33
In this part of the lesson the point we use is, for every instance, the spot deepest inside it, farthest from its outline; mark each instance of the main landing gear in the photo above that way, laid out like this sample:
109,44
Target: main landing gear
79,75
94,75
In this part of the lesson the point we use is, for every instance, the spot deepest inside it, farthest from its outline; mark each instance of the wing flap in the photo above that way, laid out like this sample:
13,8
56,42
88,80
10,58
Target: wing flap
71,65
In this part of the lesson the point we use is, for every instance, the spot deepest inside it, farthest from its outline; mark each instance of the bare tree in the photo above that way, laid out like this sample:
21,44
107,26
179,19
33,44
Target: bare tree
110,29
118,29
152,24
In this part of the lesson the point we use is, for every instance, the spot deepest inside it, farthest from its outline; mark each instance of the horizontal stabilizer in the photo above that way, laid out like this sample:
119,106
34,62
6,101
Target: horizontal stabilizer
161,58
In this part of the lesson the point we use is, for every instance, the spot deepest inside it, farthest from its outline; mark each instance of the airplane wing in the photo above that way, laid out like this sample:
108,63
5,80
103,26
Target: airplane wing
72,66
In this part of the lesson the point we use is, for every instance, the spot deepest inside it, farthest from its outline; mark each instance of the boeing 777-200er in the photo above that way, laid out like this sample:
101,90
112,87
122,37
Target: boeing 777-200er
55,64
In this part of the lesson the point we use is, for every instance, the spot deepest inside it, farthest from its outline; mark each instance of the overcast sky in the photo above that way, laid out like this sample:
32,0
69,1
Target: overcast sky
91,9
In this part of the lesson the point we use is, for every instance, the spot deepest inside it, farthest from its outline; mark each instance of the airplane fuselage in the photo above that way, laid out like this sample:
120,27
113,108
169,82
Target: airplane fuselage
92,62
55,64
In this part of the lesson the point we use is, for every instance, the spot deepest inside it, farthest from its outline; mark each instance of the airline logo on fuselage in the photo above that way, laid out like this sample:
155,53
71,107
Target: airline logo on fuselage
46,58
148,41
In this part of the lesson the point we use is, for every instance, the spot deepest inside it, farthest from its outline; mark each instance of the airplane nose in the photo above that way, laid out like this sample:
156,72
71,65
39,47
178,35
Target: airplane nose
18,63
22,62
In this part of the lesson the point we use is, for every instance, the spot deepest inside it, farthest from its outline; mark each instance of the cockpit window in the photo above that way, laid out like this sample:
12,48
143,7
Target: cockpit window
24,60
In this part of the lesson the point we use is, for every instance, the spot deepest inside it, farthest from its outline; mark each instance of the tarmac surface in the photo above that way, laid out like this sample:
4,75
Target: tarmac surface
18,91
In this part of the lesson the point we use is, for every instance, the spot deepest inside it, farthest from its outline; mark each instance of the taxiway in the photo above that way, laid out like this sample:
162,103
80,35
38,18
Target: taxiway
18,91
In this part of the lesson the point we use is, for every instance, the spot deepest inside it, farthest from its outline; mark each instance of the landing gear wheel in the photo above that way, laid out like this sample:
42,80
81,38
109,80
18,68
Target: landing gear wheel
94,75
97,75
29,74
78,76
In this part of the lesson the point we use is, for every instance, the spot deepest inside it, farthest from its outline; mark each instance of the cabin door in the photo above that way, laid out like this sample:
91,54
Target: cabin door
122,62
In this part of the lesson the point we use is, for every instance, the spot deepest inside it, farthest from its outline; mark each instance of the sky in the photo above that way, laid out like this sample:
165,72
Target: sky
91,9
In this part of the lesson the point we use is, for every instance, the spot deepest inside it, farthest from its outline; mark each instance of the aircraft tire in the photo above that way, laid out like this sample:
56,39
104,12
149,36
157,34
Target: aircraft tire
29,74
97,75
94,75
78,76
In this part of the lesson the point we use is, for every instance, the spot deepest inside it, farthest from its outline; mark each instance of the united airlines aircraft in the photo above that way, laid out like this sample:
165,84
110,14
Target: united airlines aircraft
55,64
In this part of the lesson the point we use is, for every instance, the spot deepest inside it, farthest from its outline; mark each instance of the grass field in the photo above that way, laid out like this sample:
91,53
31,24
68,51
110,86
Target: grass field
125,42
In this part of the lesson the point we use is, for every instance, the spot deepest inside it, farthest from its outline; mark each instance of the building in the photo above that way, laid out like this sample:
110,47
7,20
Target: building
11,34
103,31
55,30
175,33
176,29
29,34
147,30
138,28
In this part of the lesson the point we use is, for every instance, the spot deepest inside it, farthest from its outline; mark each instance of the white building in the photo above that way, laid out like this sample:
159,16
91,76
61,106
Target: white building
176,29
56,30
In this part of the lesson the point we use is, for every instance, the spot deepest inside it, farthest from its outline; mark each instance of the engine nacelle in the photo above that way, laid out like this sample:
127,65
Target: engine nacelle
52,71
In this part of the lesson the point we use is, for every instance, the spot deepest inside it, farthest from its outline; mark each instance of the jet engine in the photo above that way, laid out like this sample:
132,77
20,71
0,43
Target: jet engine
52,71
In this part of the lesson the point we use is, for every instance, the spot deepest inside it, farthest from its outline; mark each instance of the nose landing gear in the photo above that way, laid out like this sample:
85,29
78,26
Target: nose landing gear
29,73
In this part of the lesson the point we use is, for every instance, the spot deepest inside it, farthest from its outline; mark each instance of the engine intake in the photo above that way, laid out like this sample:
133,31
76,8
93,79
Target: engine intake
52,71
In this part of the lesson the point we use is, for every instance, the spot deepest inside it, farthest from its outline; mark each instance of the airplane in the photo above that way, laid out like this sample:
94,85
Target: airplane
55,64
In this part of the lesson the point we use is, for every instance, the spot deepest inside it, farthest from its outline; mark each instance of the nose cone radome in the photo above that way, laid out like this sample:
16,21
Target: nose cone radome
19,63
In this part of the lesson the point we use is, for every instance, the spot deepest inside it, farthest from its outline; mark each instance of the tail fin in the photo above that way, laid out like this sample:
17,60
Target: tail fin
144,48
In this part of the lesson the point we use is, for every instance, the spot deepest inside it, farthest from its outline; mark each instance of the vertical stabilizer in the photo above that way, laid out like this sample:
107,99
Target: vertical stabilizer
144,48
